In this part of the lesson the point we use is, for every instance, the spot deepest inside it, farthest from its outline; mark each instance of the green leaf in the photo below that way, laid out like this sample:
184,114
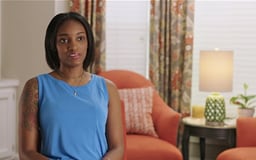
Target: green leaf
244,100
251,97
245,86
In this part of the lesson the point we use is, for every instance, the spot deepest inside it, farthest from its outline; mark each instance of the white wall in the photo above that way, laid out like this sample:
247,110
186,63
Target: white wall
23,29
0,38
23,38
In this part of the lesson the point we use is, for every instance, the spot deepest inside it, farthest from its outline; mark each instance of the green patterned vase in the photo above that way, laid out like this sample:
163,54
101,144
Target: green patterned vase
215,109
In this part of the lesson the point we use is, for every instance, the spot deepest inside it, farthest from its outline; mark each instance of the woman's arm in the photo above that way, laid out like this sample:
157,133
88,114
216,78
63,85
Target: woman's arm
114,125
28,122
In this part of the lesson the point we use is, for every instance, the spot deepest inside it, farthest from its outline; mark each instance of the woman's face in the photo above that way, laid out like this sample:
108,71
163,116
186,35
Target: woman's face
71,43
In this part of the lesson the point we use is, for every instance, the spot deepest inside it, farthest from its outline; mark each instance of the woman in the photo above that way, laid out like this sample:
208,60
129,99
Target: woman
69,113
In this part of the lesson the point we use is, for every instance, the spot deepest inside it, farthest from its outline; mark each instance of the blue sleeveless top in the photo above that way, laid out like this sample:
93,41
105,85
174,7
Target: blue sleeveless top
73,127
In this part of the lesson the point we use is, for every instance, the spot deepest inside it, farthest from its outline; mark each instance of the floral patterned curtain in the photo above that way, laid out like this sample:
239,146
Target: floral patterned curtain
171,41
94,11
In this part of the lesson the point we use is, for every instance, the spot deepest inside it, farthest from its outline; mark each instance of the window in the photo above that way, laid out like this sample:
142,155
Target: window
227,25
127,30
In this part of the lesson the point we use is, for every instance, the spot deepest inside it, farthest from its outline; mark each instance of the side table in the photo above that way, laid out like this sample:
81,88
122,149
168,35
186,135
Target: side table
198,128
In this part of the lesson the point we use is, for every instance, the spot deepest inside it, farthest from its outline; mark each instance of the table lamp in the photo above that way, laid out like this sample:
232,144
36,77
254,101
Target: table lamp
215,75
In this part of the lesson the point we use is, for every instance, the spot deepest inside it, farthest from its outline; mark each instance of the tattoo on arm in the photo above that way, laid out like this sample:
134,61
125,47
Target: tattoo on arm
29,105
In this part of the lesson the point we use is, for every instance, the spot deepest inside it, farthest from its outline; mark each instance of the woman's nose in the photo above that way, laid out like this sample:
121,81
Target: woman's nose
72,45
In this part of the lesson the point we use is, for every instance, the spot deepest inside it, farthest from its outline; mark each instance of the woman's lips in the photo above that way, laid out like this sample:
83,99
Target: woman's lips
74,55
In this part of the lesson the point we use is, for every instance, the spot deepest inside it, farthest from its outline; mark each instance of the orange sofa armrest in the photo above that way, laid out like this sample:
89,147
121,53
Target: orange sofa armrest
246,131
166,120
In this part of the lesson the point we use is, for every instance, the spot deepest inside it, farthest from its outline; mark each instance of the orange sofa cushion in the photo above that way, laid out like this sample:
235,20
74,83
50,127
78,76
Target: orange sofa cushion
240,153
246,131
138,109
245,141
150,148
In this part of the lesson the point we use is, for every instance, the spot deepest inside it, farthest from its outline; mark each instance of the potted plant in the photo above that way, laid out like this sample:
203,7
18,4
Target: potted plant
246,103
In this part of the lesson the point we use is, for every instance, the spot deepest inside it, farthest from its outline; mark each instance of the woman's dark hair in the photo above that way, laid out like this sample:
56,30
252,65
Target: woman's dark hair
50,39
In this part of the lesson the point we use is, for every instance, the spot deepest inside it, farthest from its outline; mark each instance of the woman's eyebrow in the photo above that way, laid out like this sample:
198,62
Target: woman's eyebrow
66,34
81,33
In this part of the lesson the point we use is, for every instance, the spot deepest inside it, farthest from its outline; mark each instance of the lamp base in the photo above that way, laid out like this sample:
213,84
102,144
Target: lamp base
215,110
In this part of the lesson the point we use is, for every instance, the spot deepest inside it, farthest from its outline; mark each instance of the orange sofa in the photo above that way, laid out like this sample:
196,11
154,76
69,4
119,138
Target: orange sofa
245,141
166,122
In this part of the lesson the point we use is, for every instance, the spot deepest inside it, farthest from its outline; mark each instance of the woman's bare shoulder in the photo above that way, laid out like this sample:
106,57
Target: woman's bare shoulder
31,83
30,92
111,85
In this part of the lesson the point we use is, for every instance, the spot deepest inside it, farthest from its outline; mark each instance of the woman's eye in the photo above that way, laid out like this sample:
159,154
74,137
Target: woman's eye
63,41
80,38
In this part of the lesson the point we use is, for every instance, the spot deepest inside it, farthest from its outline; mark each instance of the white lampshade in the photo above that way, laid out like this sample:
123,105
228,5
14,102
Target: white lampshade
216,71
